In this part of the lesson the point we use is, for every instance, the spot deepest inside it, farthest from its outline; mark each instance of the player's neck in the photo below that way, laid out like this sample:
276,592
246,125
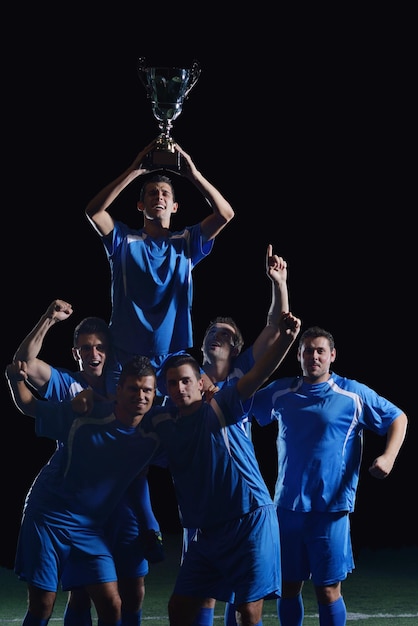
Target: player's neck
157,229
217,371
126,417
316,380
183,411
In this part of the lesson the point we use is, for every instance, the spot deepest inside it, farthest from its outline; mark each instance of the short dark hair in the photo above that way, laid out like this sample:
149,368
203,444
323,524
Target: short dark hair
138,366
316,331
156,178
238,340
91,326
181,359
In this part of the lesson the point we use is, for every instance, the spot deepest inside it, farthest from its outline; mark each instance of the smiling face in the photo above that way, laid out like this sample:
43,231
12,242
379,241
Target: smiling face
90,353
134,397
158,202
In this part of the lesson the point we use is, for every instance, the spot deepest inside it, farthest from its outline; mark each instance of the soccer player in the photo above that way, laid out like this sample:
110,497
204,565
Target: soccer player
321,420
220,491
99,452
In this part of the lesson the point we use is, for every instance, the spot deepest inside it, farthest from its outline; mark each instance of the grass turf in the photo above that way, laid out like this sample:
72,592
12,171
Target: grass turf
382,591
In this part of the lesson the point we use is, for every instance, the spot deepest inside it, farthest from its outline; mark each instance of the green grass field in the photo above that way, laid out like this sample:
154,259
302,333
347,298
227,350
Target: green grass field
382,591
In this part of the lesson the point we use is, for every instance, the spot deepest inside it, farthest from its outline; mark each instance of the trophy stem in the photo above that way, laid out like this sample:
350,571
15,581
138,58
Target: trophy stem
165,127
164,140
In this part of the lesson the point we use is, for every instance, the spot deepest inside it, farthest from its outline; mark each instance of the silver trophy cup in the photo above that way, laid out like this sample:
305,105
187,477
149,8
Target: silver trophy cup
167,88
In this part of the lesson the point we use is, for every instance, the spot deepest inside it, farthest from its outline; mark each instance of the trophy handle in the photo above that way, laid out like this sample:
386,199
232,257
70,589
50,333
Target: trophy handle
194,76
141,69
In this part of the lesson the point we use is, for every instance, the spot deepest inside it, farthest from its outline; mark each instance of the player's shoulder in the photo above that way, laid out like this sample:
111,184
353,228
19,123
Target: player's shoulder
156,415
350,384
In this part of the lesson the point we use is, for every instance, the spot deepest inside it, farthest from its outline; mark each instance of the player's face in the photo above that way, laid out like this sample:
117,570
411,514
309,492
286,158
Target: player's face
219,342
158,203
135,397
91,353
315,358
183,387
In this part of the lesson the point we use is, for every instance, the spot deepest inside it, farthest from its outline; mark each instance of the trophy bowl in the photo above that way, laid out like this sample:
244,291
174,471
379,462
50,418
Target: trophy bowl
167,88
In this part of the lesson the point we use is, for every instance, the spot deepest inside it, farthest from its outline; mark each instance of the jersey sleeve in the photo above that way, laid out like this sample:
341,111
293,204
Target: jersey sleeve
63,385
262,408
198,248
378,412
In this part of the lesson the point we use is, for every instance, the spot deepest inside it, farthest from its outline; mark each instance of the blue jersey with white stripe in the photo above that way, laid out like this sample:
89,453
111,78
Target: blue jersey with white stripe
240,366
64,385
152,288
96,459
320,438
211,459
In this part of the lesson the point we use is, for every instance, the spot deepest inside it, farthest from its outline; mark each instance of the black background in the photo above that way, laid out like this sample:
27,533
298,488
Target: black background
303,122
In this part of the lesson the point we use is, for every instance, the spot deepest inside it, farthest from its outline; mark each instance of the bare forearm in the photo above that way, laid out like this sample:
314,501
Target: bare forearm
38,371
279,302
222,212
213,196
101,201
274,356
396,436
383,464
108,194
33,342
21,394
267,364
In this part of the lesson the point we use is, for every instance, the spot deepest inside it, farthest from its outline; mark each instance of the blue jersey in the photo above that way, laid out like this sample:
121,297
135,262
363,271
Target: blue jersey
64,385
152,288
320,438
95,461
241,364
212,460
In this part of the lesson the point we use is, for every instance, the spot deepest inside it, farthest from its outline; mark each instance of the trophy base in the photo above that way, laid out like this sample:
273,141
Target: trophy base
162,160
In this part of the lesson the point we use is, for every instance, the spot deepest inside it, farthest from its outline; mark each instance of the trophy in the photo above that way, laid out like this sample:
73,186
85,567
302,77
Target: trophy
167,88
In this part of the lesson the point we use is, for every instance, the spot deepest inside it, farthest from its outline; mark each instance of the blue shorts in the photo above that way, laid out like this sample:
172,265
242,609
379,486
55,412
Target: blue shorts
123,534
123,539
315,545
238,561
189,534
46,552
